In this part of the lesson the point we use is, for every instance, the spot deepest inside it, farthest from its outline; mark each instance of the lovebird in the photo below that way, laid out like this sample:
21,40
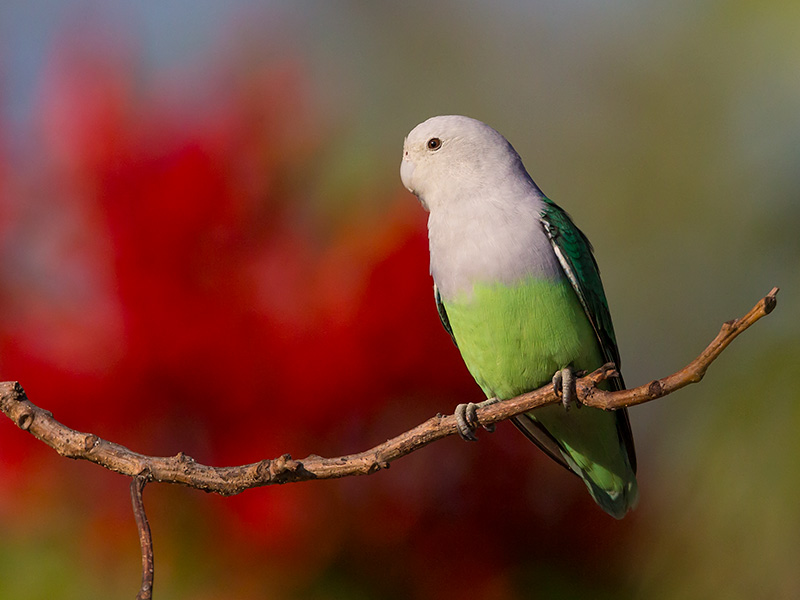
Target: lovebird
518,289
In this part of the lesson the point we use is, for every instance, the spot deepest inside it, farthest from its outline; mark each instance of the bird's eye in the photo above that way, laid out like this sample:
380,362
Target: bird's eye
434,144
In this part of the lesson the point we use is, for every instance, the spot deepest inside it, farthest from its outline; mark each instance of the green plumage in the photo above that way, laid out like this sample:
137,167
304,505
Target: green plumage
514,337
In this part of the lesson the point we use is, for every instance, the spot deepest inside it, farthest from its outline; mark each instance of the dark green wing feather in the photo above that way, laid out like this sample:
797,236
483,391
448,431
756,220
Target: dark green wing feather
575,253
443,314
576,256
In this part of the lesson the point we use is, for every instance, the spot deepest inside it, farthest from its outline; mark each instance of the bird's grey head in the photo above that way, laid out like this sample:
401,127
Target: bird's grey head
448,156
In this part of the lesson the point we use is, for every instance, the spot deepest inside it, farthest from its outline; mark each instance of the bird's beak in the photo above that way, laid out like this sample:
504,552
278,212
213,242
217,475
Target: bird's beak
407,174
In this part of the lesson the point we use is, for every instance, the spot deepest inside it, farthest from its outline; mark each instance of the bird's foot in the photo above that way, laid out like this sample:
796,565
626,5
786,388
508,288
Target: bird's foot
467,419
564,386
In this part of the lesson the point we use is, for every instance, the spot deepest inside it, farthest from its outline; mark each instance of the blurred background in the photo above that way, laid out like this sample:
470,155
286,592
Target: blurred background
205,247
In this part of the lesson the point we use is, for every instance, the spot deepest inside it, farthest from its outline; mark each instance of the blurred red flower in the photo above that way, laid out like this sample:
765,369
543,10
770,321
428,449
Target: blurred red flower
163,284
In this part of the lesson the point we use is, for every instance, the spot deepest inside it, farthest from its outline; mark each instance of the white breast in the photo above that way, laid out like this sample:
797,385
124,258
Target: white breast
489,240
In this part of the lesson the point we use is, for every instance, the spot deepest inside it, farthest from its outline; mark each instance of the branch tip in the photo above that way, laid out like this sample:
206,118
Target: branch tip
771,300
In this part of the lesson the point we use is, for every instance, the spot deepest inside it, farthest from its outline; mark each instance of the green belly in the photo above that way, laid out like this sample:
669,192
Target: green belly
513,339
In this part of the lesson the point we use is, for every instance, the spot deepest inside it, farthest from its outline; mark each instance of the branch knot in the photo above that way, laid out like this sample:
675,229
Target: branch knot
25,420
655,389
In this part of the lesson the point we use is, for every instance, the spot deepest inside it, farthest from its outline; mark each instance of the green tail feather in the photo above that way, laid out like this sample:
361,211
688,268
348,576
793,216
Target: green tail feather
615,495
584,442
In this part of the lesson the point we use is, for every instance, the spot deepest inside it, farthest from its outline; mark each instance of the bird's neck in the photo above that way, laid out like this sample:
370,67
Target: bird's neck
484,240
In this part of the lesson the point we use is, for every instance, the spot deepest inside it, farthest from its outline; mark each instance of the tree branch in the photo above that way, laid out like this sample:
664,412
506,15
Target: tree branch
226,481
145,537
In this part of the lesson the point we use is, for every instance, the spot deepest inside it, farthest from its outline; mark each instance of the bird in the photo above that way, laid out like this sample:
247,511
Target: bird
518,289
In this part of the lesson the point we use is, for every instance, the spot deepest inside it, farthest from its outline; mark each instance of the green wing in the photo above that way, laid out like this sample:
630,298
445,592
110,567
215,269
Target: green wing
576,256
443,314
575,253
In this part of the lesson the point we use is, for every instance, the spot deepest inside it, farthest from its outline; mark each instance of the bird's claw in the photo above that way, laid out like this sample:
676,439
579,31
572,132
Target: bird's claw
464,422
467,419
564,386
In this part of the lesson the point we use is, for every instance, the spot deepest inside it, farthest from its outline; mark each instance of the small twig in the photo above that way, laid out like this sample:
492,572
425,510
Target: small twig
145,536
226,481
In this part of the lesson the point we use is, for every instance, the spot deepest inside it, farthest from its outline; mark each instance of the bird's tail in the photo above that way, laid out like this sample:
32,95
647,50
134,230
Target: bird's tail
587,442
615,494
